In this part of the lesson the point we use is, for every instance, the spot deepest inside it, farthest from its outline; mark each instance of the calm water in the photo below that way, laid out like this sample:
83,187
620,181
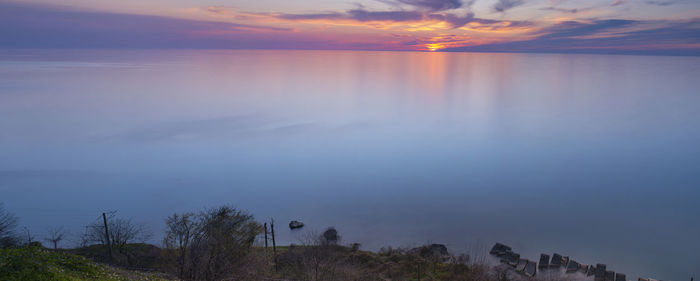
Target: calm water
595,157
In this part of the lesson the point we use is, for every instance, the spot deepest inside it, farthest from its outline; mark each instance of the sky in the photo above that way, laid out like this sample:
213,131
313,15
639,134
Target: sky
662,27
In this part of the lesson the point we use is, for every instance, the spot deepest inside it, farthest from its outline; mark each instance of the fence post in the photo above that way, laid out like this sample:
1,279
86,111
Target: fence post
109,245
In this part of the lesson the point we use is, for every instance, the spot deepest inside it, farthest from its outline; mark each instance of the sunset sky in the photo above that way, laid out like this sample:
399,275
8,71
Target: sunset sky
670,27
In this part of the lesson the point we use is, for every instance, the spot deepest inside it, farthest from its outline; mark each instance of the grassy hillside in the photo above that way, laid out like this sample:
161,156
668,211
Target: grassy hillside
37,263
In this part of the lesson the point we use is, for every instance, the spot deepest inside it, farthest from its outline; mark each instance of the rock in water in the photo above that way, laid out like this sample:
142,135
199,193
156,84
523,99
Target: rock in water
295,224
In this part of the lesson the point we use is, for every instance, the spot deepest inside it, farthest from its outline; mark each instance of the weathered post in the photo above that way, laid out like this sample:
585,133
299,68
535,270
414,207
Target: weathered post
272,229
109,245
265,225
418,270
274,244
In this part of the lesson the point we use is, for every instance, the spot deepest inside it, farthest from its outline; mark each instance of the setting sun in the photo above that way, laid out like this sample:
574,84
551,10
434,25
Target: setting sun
434,46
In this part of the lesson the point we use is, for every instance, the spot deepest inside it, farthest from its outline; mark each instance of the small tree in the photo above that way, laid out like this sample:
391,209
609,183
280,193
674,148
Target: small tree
28,236
178,236
122,232
55,235
8,224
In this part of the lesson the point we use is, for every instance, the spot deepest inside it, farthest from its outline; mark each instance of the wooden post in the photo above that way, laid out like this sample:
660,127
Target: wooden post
418,270
274,245
265,225
272,229
109,245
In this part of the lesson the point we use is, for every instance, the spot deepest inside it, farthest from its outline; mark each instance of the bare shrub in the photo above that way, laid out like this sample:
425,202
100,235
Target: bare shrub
8,224
213,245
55,235
121,233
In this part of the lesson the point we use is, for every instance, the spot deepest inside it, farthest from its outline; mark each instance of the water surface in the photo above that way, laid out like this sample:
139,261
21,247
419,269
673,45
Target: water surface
591,156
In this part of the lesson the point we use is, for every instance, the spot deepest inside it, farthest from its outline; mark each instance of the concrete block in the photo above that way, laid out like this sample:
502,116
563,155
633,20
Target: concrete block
591,270
530,269
599,272
609,275
557,261
544,261
499,249
573,266
510,258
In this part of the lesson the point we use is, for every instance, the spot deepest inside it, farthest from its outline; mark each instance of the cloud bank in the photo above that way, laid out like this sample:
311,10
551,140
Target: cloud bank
608,37
428,25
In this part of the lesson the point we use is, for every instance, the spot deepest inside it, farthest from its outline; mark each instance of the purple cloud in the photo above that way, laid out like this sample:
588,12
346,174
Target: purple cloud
618,3
33,25
361,15
565,10
661,3
504,5
434,5
608,37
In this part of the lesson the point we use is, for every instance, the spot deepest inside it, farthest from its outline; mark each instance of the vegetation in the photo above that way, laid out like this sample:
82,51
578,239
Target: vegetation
37,263
212,245
325,261
217,244
138,255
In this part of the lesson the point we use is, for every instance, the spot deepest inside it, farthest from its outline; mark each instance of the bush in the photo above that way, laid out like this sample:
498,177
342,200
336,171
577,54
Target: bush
212,245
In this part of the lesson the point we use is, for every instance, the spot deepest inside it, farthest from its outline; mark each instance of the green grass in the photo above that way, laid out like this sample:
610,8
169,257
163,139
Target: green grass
37,263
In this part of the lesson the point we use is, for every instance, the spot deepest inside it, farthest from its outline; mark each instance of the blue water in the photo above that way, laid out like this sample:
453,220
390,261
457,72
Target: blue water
591,156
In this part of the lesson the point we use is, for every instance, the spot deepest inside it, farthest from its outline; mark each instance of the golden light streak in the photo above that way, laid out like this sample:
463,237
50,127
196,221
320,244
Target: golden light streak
434,46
